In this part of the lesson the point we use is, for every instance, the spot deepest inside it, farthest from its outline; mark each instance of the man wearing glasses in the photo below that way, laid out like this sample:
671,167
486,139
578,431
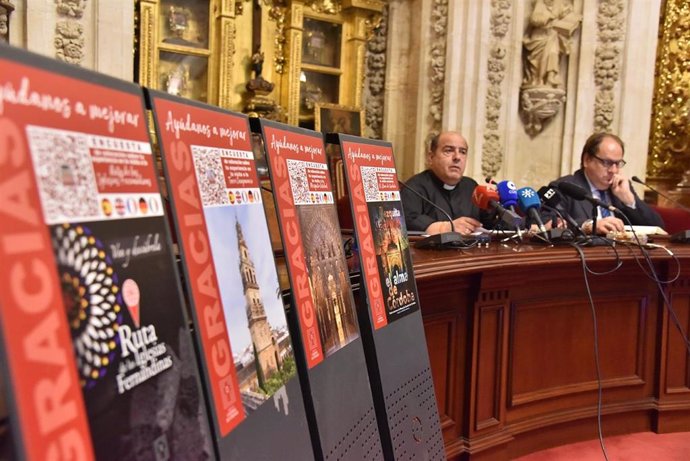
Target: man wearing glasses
601,173
443,184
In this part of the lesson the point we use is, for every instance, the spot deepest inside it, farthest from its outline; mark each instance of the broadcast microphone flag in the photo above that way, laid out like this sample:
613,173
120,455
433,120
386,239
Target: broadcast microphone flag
507,192
487,198
530,204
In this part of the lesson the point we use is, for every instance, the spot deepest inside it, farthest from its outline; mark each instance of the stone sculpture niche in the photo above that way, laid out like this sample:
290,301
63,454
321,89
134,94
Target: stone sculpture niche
552,23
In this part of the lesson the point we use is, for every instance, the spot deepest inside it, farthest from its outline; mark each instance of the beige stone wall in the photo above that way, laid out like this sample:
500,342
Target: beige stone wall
95,34
483,79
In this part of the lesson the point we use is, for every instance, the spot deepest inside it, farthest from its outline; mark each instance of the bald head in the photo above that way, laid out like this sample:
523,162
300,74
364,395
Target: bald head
447,156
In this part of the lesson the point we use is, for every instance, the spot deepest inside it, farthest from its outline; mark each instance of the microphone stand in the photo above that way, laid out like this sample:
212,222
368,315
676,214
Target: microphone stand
675,202
442,240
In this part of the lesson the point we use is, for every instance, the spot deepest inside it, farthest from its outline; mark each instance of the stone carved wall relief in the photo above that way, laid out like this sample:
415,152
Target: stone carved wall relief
607,60
552,24
492,149
6,9
375,75
69,32
437,64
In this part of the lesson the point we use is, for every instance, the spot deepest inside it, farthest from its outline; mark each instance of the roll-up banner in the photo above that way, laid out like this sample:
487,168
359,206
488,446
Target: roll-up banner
338,398
98,356
241,329
390,318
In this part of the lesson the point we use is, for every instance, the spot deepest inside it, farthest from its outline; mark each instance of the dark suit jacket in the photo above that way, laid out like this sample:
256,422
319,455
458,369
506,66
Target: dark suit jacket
581,210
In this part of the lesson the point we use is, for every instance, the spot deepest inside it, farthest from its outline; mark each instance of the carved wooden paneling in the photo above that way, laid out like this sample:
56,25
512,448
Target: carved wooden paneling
489,361
511,342
552,348
677,365
441,337
446,327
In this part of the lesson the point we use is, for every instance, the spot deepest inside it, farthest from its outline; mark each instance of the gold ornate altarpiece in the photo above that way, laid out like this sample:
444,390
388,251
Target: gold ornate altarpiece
669,151
188,47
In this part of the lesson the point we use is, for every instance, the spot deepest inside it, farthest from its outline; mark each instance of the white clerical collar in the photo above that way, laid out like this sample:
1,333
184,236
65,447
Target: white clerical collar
449,187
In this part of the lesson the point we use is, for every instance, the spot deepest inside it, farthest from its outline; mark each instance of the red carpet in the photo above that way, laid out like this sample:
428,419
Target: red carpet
643,446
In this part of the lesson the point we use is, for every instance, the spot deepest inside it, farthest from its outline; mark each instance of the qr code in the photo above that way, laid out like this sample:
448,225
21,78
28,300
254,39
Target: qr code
210,176
64,173
371,184
297,173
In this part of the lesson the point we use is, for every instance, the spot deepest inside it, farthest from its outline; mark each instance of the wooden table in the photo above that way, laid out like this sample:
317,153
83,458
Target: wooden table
511,343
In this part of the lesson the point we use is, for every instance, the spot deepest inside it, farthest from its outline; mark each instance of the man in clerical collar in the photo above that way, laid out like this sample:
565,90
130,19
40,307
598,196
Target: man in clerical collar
443,184
601,175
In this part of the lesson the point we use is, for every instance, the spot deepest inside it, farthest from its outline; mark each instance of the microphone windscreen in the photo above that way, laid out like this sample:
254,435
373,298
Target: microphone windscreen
507,192
528,198
637,180
573,190
549,196
490,180
483,195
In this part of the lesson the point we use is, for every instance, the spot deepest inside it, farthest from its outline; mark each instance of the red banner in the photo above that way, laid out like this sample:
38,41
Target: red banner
181,129
42,368
284,147
385,181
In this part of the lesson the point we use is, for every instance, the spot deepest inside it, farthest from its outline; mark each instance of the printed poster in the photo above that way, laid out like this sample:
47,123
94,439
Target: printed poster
311,237
381,233
93,170
228,259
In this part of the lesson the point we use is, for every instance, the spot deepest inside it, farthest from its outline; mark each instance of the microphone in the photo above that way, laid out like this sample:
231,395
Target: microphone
450,239
507,192
491,180
551,198
675,202
530,205
488,199
578,193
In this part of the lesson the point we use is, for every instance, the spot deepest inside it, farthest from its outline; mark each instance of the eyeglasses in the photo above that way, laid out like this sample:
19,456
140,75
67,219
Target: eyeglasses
609,163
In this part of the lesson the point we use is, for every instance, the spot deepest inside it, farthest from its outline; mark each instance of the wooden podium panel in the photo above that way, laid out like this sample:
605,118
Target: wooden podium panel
510,338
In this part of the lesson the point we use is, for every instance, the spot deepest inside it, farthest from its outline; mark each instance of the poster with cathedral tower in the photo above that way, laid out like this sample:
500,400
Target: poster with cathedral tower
389,314
226,254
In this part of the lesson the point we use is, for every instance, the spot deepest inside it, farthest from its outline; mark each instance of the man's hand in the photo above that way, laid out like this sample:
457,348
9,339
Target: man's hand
466,225
609,224
620,187
463,225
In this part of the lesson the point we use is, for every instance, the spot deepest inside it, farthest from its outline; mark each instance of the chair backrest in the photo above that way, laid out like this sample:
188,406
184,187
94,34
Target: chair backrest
675,219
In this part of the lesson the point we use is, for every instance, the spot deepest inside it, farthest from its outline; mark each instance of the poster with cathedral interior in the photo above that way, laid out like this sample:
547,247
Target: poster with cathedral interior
331,355
232,279
299,168
79,182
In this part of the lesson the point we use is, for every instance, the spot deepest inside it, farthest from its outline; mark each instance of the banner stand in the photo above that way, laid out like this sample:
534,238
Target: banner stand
389,314
323,311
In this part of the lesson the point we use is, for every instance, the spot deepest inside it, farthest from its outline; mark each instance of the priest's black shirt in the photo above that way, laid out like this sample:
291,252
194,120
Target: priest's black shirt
457,202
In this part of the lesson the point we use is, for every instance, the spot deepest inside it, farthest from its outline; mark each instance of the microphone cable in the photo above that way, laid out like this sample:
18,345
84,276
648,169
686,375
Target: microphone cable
595,327
655,277
652,274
